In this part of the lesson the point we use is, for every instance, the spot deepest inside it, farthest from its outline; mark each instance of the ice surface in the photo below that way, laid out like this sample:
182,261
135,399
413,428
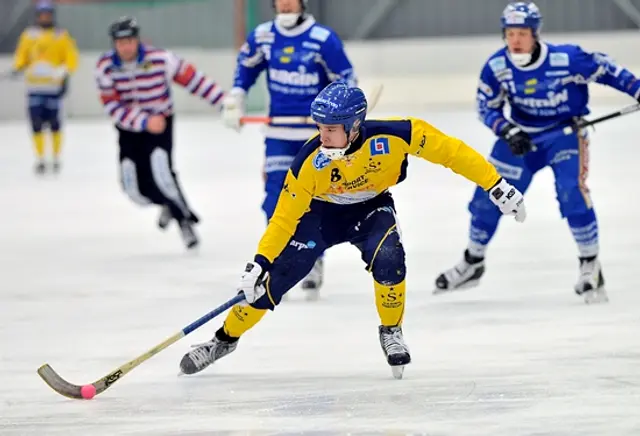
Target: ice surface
89,282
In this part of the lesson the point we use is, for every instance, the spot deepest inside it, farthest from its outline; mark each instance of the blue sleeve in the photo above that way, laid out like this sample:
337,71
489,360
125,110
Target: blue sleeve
251,62
600,68
336,62
490,100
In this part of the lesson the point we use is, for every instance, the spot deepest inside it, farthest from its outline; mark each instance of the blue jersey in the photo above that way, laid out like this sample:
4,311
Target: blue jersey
550,92
299,63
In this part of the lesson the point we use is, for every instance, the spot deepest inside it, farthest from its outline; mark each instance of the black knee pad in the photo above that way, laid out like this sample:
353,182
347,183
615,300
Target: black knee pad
388,267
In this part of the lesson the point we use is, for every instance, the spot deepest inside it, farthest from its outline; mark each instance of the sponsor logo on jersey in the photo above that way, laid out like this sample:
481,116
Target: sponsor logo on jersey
497,64
296,78
559,59
309,245
311,45
556,73
373,166
356,183
554,99
379,146
321,161
503,75
530,86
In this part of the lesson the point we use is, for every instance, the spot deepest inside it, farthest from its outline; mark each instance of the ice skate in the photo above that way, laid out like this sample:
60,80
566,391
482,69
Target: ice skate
189,236
466,274
205,354
591,282
394,349
56,166
313,281
165,217
40,168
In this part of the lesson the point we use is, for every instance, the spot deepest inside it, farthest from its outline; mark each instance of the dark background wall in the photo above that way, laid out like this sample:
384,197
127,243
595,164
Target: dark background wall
209,23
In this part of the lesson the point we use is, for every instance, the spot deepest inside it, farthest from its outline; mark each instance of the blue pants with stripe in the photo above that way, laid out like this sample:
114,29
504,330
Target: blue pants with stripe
568,159
371,226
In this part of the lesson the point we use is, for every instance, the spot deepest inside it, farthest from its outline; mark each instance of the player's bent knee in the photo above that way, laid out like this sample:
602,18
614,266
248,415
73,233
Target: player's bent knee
388,264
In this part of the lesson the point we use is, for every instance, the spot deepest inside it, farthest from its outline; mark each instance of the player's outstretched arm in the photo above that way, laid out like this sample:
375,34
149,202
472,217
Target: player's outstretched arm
434,146
600,68
195,81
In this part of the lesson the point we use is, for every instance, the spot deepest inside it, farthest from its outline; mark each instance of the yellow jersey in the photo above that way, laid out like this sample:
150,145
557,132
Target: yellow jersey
375,161
46,56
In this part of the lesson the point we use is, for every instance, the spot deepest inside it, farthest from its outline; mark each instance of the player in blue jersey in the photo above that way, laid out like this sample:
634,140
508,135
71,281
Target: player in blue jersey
546,86
300,57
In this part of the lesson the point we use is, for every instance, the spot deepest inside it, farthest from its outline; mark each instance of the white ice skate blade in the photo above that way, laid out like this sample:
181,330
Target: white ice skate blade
397,371
463,287
596,296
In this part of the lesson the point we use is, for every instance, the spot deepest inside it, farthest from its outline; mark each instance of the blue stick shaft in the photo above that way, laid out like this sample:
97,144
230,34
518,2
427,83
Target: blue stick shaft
215,312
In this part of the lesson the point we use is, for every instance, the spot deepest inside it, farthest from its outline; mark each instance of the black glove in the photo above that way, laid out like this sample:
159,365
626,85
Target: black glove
519,141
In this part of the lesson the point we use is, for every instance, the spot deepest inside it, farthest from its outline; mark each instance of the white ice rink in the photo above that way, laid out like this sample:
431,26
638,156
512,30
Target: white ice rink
89,282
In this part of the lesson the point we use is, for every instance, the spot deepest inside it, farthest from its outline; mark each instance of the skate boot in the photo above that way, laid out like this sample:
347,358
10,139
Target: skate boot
205,354
313,280
165,217
394,349
591,281
40,168
466,274
189,236
56,166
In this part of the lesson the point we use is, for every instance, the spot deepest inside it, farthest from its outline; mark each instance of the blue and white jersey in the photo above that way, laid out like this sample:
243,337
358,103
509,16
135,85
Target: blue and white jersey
551,91
299,63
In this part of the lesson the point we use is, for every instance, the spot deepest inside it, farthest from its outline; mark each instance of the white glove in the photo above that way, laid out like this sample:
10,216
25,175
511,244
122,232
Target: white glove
509,200
251,282
233,109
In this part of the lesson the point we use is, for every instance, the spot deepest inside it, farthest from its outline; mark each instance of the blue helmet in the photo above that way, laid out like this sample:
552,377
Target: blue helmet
339,103
45,6
522,14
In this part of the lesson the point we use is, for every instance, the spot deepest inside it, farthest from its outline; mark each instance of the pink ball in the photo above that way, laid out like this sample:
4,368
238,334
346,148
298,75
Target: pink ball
88,391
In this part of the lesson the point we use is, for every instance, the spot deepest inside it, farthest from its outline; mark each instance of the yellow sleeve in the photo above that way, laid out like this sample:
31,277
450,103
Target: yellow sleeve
70,53
21,56
293,202
431,144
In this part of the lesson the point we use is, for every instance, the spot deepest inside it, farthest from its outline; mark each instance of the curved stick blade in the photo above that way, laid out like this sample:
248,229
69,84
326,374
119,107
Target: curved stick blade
59,384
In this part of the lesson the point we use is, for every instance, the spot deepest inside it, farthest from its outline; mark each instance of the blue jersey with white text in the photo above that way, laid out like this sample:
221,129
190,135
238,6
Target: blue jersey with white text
548,93
299,63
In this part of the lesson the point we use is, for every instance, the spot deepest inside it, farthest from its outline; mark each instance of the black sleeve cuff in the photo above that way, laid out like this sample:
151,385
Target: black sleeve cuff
263,262
495,184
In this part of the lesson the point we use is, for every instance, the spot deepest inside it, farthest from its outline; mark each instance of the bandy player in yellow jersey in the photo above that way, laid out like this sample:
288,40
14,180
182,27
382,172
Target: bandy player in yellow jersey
337,191
47,55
